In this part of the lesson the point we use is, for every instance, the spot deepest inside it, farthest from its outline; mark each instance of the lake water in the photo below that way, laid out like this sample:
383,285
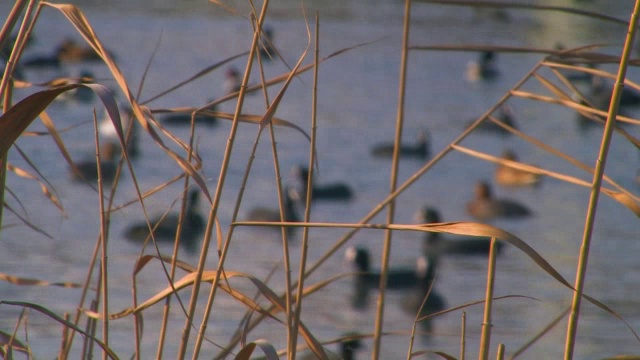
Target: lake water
356,108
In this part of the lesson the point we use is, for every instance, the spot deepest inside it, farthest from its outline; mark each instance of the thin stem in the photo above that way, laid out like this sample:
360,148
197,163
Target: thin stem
307,212
463,336
485,338
572,326
214,210
386,250
103,241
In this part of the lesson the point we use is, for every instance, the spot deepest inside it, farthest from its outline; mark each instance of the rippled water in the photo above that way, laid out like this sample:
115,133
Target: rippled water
356,109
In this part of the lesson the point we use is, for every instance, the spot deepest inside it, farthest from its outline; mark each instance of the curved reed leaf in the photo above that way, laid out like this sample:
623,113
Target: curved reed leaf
15,344
25,174
268,350
18,117
35,282
62,321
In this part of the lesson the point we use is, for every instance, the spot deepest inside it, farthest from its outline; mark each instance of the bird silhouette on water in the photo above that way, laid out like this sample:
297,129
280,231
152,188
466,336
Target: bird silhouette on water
419,150
337,191
485,207
165,228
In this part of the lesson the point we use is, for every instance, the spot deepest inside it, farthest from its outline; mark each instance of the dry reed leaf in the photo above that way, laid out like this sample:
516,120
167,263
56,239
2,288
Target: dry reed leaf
209,276
62,321
623,198
15,344
48,123
145,259
26,221
268,350
18,117
35,282
43,187
79,21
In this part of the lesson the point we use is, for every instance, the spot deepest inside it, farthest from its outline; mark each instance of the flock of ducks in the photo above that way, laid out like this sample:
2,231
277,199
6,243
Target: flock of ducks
418,281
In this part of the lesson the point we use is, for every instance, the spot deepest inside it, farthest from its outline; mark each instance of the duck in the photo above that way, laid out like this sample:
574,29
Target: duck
419,150
505,116
511,177
414,302
348,346
232,80
266,48
335,191
108,132
265,214
70,51
185,118
484,68
601,94
485,207
367,279
164,228
87,171
436,243
82,94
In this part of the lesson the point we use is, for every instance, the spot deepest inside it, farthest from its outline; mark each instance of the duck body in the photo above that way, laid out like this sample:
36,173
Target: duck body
484,207
87,171
511,177
415,303
419,150
178,119
266,214
505,116
327,192
438,244
164,228
397,278
484,69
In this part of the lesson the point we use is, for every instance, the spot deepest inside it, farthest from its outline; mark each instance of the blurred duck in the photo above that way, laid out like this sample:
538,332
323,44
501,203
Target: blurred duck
601,94
335,191
412,304
505,116
129,126
397,278
483,69
264,214
164,228
185,118
437,243
87,171
232,80
348,346
508,176
70,51
419,150
485,207
267,50
82,94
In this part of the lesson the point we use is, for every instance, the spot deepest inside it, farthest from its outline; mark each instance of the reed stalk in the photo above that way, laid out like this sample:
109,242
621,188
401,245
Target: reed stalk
500,354
214,210
485,339
304,246
463,335
386,248
572,326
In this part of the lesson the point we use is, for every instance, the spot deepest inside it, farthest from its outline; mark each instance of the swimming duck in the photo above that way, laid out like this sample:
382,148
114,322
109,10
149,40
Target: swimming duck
335,191
109,134
601,94
505,116
419,150
266,46
82,94
165,228
70,51
437,243
483,69
348,346
264,214
87,171
185,118
412,303
484,207
232,80
368,280
508,176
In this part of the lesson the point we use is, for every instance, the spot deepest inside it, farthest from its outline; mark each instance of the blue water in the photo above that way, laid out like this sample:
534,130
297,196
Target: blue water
357,100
